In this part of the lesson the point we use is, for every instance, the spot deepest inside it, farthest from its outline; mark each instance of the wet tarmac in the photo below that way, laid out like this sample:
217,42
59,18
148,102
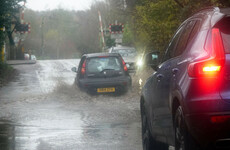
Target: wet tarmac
42,110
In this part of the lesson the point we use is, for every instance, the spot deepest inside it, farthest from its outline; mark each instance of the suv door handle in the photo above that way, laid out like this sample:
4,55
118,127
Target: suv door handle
159,77
175,70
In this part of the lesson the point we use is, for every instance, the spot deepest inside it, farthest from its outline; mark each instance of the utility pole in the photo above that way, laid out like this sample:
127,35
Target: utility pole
125,4
42,37
3,48
58,46
21,34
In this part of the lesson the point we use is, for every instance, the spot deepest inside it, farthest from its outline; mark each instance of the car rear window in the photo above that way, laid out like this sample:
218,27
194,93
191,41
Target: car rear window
224,26
100,64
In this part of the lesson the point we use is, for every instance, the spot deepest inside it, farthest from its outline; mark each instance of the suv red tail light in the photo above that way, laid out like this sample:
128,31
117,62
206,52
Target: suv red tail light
220,119
83,68
213,63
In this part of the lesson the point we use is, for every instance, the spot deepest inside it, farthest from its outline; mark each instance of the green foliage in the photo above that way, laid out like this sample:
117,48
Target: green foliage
2,38
109,42
149,25
4,68
155,23
128,38
5,72
8,9
52,34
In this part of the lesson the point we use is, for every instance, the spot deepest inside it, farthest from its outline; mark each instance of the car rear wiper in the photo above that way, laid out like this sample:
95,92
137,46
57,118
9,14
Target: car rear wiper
106,70
91,75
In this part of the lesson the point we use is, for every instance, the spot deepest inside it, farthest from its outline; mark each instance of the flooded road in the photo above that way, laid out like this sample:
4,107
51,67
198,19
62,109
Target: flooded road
42,110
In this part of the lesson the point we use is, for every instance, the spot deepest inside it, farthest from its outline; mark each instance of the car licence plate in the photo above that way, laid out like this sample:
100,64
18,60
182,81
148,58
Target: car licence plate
105,90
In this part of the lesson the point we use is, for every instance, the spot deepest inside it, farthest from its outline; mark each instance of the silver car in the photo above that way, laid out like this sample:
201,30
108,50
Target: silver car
129,54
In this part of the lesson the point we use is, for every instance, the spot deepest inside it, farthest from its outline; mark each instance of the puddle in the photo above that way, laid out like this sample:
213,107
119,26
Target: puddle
35,137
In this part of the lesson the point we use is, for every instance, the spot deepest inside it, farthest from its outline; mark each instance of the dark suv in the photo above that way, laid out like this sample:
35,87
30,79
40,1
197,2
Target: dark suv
186,101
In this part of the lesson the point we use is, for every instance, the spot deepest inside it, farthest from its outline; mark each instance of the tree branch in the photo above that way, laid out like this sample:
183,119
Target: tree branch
181,5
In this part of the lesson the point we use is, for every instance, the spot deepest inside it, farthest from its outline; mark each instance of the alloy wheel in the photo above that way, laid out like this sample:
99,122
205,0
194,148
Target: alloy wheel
179,130
145,132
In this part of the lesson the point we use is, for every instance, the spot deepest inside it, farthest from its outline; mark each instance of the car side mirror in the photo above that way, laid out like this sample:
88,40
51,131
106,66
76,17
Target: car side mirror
74,69
152,60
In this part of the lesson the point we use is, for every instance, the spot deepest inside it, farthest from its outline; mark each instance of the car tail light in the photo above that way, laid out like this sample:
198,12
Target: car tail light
213,63
83,68
124,65
220,119
211,68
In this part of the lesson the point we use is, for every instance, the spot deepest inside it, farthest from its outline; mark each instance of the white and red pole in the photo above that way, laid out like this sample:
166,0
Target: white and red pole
102,33
22,12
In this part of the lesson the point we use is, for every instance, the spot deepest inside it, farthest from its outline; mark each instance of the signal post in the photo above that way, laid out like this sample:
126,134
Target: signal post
116,31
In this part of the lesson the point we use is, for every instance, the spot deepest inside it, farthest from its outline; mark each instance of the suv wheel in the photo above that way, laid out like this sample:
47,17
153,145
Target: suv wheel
183,139
148,141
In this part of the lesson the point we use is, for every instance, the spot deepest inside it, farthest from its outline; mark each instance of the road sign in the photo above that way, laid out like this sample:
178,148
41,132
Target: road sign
116,36
118,41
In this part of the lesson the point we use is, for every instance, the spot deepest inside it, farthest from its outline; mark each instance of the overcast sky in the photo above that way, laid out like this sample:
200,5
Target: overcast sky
40,5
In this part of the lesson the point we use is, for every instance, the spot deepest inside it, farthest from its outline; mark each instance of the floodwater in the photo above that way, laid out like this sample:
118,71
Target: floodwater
41,109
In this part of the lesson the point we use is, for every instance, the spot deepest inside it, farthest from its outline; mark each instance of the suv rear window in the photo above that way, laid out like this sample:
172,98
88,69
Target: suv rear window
99,64
224,26
125,52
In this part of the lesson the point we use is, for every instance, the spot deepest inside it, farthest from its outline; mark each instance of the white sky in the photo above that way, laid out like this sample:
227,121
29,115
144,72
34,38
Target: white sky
40,5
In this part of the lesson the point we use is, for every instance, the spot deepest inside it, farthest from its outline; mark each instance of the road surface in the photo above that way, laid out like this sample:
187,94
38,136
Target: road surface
41,110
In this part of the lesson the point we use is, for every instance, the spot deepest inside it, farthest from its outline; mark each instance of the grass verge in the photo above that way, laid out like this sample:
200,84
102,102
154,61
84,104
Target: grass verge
6,73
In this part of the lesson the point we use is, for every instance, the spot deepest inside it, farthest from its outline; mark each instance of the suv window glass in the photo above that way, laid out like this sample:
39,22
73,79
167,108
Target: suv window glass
172,45
125,52
225,32
98,64
182,43
194,31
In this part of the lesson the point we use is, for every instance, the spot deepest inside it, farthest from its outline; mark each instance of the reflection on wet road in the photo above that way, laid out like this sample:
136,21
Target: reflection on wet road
42,110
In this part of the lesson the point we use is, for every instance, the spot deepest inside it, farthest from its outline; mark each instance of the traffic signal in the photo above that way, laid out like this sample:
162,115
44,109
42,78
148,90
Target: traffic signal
116,28
22,28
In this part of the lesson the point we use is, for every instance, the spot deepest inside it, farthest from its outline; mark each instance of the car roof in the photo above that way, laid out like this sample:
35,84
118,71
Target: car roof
123,47
209,16
225,11
215,9
101,55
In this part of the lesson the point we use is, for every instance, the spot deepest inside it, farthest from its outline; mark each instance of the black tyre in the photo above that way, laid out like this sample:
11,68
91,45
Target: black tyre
183,139
148,142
